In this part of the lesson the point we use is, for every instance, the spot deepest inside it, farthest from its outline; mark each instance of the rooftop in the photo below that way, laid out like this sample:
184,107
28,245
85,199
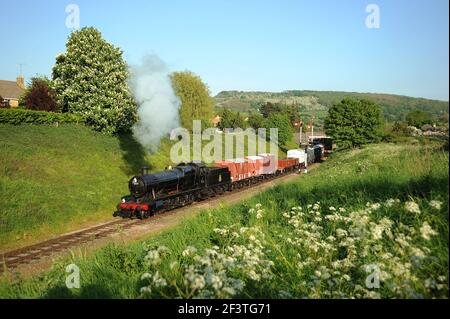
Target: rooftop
10,90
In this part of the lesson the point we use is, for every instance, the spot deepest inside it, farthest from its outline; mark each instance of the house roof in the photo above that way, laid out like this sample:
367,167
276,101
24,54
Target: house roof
10,90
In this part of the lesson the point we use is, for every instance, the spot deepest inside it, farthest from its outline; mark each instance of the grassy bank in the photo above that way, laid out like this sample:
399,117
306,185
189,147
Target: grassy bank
366,216
57,179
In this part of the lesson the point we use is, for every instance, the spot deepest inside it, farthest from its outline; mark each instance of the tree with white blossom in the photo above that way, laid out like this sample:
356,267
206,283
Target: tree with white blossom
90,80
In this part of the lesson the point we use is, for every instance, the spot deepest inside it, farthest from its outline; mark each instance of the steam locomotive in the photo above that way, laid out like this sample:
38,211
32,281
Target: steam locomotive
190,182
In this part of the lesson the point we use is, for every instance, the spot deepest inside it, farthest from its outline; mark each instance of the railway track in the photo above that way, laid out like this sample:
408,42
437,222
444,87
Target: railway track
28,254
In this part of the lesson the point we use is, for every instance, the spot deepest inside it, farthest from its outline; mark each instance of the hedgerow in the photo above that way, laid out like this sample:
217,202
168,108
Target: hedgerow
21,116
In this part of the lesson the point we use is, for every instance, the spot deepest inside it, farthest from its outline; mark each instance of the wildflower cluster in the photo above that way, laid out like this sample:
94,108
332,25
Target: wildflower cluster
383,249
220,271
336,248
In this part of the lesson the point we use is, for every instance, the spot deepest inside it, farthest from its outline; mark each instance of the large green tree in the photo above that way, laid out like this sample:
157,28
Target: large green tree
196,102
282,122
90,79
354,122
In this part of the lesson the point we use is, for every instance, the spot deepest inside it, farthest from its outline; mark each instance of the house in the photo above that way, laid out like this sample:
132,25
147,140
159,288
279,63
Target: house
11,91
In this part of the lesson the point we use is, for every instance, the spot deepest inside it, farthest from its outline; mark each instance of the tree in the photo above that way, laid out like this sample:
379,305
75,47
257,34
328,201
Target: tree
196,103
282,122
418,118
354,122
230,119
268,108
40,96
256,121
90,79
293,113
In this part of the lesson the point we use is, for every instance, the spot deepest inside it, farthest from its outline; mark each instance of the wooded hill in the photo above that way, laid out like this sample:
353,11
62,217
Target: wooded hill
316,103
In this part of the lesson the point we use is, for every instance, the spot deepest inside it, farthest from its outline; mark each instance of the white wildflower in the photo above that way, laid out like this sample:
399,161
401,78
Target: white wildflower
427,231
190,250
412,207
435,204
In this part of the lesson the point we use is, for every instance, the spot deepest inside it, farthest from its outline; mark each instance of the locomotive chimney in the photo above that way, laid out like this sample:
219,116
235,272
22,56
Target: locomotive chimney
144,170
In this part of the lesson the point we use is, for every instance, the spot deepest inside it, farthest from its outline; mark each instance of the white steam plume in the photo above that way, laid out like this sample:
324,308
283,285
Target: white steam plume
157,103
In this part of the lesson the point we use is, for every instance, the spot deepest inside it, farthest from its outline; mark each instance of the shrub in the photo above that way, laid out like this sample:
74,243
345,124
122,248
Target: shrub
418,118
20,116
40,96
2,103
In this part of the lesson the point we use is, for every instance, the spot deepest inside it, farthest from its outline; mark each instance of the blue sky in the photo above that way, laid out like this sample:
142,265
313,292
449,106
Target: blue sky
251,45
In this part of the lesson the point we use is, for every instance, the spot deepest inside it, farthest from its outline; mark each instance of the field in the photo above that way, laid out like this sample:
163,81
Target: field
368,223
58,179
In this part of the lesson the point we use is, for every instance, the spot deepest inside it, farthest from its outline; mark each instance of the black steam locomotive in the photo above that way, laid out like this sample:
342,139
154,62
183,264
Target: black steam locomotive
180,186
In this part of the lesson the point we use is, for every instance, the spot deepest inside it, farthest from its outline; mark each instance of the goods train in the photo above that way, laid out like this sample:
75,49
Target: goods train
190,182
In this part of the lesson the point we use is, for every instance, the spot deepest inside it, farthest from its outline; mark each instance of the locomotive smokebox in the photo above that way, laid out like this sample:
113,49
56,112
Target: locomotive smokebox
144,170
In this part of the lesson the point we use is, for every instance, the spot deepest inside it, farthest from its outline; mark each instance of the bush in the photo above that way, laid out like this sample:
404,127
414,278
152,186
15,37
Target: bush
418,118
40,96
2,102
20,116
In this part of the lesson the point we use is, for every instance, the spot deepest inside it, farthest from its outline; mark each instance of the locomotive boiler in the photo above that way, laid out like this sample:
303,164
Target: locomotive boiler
187,182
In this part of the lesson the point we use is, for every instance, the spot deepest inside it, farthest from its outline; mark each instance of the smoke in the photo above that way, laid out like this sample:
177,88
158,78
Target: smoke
157,103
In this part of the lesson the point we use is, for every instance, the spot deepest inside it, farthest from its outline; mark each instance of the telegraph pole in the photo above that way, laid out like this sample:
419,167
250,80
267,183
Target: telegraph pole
21,68
301,130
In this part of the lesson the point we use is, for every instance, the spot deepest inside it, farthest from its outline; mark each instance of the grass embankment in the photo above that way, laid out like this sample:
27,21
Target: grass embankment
378,213
58,179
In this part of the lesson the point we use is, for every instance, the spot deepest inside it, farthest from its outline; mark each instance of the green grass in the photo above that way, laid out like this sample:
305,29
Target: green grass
57,179
277,249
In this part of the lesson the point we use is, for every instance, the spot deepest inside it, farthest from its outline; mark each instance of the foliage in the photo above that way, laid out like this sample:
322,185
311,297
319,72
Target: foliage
280,121
21,116
354,123
230,119
90,80
2,102
382,207
196,103
268,108
418,118
291,110
39,96
256,121
399,127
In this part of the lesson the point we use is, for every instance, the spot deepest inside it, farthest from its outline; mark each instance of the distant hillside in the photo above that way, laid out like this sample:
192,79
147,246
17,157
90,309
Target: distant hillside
316,103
